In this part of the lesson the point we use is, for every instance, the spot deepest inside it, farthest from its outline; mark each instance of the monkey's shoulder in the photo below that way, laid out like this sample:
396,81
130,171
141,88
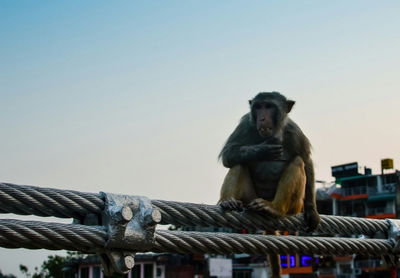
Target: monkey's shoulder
295,142
291,128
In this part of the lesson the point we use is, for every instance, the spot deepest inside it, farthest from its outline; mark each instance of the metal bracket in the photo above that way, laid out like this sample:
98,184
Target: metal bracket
394,239
130,222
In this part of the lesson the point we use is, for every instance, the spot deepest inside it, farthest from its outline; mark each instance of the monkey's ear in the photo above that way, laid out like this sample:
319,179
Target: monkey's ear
289,105
250,102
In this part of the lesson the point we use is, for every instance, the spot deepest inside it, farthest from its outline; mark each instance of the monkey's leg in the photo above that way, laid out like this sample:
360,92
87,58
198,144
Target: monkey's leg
274,259
275,265
289,197
236,189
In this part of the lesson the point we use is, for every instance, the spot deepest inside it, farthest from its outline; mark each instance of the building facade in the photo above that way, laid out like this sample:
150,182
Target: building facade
360,194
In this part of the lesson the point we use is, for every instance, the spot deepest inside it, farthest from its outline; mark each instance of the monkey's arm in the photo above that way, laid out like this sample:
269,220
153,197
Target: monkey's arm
310,207
235,154
245,144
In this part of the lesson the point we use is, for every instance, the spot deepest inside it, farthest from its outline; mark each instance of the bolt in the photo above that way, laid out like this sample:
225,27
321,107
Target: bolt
123,214
126,214
129,262
152,218
156,216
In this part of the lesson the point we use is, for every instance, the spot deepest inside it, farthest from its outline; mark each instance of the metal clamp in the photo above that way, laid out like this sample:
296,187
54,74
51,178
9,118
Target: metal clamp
394,239
130,222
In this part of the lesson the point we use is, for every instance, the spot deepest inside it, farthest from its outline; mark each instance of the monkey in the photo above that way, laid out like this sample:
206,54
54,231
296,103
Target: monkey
270,165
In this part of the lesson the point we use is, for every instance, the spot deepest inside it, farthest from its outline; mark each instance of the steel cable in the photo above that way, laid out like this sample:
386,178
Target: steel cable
55,236
28,200
31,200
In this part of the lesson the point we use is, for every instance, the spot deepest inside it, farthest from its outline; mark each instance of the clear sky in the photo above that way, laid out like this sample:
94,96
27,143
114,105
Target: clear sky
138,97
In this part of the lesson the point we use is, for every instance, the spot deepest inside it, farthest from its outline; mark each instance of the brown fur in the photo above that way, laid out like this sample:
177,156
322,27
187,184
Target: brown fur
289,195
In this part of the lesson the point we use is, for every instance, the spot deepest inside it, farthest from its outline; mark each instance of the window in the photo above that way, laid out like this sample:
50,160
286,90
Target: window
345,269
69,274
136,271
85,272
96,272
241,273
308,261
148,271
159,270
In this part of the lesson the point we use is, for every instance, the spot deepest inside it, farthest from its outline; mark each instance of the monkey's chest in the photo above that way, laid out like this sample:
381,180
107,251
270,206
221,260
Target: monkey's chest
265,176
267,171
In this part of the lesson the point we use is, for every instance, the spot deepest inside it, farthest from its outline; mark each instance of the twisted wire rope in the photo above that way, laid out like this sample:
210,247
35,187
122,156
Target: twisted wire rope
26,200
56,236
52,236
31,200
178,213
222,243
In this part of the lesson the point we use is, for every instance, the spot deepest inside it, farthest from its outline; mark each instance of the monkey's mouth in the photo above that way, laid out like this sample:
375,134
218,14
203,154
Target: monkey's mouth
265,131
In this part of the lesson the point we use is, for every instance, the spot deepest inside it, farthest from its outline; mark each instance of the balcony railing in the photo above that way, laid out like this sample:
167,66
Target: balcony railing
389,188
383,210
357,213
327,270
368,263
354,190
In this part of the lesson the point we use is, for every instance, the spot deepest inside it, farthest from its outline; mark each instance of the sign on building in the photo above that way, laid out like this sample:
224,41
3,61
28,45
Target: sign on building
220,267
345,170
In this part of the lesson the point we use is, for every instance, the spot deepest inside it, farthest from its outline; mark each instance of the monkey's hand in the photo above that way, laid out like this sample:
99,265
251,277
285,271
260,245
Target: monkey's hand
312,218
263,151
231,204
268,151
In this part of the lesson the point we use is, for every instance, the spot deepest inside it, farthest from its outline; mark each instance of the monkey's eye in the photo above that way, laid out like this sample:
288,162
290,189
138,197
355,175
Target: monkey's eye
268,105
257,106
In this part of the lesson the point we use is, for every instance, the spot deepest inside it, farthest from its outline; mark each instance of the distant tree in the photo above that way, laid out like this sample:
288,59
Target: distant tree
74,255
37,274
51,268
24,269
6,275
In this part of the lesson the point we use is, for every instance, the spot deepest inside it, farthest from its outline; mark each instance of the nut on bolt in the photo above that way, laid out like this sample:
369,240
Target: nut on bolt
124,214
128,262
153,218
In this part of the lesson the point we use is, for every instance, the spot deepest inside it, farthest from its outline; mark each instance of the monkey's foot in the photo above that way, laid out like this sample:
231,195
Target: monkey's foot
312,219
231,204
258,204
265,206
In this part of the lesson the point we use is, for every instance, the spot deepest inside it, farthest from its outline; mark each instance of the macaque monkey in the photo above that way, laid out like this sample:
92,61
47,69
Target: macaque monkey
270,165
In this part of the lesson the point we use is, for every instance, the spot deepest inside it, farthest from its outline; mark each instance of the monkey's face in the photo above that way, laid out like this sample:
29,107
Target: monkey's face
265,115
269,112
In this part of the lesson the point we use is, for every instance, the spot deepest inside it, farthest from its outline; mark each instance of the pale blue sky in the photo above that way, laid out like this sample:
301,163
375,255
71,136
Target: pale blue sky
139,97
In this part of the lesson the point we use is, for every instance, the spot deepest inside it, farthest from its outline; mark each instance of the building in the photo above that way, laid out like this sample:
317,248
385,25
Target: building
147,265
360,195
364,195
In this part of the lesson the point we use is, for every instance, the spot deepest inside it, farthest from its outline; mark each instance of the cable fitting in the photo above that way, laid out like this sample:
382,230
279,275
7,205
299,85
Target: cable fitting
130,222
